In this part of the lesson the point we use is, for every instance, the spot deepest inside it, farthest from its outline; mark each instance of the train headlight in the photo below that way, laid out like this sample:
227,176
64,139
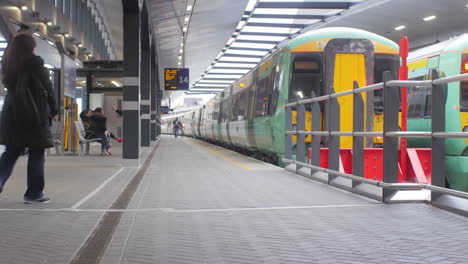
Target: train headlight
465,129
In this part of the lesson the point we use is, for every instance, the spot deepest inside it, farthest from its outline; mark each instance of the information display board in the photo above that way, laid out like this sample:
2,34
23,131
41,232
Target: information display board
176,79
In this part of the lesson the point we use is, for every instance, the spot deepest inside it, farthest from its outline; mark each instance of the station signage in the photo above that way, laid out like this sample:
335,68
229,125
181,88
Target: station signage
176,79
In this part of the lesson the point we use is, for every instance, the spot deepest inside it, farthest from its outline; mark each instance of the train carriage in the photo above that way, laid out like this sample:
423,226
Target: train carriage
250,114
447,58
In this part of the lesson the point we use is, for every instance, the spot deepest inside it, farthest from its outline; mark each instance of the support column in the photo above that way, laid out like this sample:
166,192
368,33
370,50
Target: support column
145,71
154,93
131,91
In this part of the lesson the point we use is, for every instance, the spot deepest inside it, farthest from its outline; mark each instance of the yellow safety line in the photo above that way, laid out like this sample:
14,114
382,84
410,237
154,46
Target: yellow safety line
224,157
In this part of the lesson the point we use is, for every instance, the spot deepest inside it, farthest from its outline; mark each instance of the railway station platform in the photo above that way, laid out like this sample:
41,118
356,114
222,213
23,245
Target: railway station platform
193,202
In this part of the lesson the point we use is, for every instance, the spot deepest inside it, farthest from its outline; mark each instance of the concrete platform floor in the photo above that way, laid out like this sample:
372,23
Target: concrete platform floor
199,203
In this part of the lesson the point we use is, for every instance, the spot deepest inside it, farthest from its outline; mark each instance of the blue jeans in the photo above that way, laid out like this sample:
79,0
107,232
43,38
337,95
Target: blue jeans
35,169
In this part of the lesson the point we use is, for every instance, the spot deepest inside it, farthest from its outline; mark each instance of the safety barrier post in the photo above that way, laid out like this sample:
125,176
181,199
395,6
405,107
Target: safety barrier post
438,143
334,140
358,141
300,144
390,144
288,139
315,139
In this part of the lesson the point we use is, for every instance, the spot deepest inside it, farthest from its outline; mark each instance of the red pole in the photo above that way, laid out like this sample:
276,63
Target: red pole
403,76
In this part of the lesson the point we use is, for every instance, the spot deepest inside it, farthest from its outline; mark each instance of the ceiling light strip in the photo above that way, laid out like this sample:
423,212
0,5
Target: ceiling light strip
307,5
257,41
272,34
288,16
244,56
249,49
252,24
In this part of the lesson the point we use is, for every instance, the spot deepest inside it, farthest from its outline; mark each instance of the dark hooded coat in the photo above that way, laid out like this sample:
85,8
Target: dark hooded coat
11,133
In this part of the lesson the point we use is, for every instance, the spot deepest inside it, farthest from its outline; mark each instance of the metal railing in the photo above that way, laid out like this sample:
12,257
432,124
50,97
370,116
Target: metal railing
390,135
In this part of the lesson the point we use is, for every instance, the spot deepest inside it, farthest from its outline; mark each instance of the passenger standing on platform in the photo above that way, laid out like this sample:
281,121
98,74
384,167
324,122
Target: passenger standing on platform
177,126
98,129
27,113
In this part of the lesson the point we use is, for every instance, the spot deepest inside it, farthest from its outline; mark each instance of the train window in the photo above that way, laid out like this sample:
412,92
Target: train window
464,96
306,76
383,63
274,92
417,97
263,94
240,105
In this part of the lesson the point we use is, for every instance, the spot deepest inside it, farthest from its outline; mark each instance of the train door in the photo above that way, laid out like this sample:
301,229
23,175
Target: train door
348,61
306,82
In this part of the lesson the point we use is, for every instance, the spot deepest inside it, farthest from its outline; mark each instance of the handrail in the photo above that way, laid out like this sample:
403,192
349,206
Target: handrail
395,186
379,86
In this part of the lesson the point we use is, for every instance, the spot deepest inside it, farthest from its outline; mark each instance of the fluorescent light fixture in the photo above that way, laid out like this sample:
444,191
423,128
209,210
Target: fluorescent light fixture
283,21
253,45
241,25
260,38
429,18
180,57
270,30
50,23
48,66
80,45
240,59
51,43
247,52
235,65
181,44
229,71
181,51
214,81
116,83
212,85
66,35
297,11
300,94
207,89
185,29
24,7
77,64
230,41
221,76
3,45
37,34
180,63
90,55
400,27
189,8
187,19
251,5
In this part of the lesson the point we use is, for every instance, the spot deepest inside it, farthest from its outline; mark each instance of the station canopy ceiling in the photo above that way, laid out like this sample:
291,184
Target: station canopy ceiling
221,40
263,25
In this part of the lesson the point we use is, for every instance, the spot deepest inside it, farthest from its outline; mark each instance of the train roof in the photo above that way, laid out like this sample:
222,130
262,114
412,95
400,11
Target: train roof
337,32
459,43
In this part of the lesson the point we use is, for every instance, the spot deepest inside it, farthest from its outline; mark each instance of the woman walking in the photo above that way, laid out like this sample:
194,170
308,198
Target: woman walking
27,112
